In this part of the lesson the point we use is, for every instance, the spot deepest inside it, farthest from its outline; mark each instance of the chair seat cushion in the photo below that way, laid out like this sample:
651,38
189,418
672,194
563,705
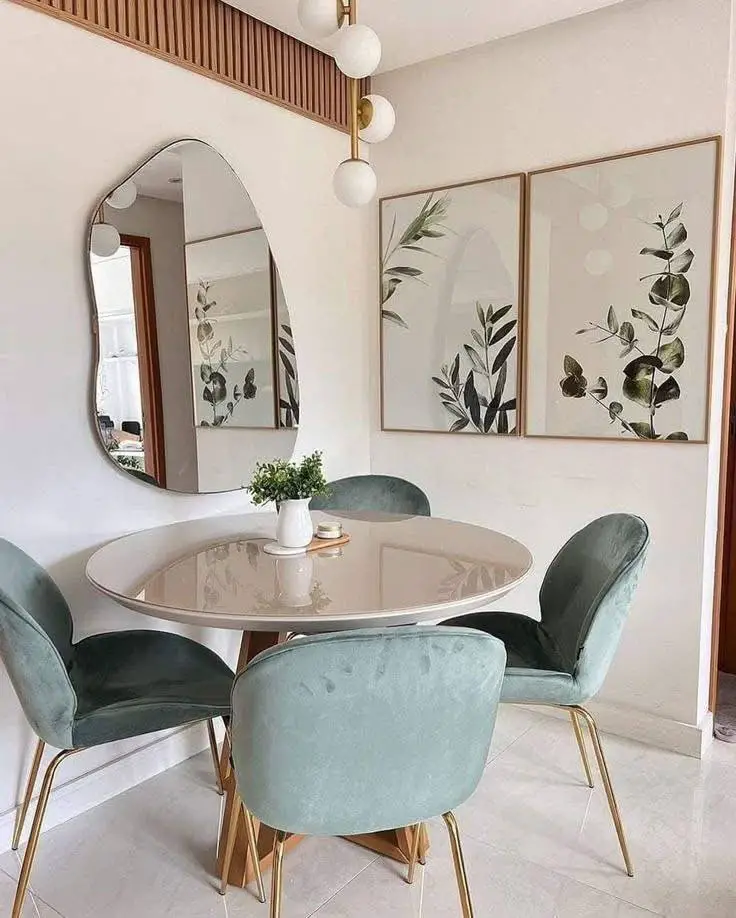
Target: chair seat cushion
130,683
537,671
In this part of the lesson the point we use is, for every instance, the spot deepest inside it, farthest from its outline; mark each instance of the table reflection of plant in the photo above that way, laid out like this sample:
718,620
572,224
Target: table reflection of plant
470,578
219,578
318,601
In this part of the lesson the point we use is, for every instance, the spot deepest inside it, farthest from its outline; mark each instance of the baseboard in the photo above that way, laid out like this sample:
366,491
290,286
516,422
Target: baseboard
95,787
662,732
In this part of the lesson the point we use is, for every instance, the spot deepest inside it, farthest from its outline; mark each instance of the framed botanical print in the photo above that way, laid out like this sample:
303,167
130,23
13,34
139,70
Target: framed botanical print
620,283
450,271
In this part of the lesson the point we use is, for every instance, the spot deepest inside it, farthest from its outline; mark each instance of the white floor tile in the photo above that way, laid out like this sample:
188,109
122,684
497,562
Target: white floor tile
33,907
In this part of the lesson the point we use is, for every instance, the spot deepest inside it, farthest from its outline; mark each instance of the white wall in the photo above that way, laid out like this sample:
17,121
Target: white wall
163,223
638,75
85,111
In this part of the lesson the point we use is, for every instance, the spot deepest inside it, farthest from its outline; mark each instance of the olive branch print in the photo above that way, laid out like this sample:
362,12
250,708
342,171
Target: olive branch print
648,380
477,399
428,224
289,406
214,368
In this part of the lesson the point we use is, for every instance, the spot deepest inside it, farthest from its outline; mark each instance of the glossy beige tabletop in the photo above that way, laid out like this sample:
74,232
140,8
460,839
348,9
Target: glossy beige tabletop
395,570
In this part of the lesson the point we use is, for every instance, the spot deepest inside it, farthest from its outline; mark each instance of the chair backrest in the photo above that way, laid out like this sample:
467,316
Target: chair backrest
374,492
36,645
362,731
587,591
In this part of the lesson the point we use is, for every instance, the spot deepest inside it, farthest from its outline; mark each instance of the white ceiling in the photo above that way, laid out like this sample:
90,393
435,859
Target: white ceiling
416,30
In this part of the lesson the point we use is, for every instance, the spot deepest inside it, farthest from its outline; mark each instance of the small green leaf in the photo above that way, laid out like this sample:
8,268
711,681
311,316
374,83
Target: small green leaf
612,320
481,314
599,388
286,344
674,288
676,236
674,324
677,435
205,372
646,318
664,254
626,332
393,317
641,390
503,422
671,355
503,354
503,331
477,338
572,367
674,214
459,425
440,382
455,371
642,367
614,410
681,264
667,392
501,312
403,271
470,397
474,358
574,386
642,430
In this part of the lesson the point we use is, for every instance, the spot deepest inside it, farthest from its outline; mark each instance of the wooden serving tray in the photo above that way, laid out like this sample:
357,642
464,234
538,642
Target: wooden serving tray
316,543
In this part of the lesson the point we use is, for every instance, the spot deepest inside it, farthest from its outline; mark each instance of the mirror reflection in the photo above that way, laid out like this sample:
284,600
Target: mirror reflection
197,373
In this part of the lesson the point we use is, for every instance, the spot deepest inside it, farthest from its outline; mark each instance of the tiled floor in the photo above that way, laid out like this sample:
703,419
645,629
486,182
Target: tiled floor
538,844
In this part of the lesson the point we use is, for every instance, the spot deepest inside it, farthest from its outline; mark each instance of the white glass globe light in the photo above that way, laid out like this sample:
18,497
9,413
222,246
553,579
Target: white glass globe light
105,240
357,51
354,182
124,196
320,18
380,116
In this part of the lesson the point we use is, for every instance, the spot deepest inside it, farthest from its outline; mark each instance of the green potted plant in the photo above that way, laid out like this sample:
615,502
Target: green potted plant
290,485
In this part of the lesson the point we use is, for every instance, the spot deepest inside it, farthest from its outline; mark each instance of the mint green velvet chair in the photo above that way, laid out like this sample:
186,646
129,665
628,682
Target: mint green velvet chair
562,659
365,731
104,688
382,493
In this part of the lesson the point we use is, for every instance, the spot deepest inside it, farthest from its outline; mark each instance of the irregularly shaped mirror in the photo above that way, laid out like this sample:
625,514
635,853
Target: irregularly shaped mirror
196,371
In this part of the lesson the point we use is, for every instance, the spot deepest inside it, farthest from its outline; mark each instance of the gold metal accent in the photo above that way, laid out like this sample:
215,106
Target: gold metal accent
343,12
414,854
250,830
28,796
424,847
276,875
215,756
603,768
581,746
32,847
460,871
365,112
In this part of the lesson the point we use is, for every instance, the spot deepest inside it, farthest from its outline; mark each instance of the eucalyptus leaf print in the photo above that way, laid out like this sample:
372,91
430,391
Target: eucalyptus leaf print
649,341
288,400
215,367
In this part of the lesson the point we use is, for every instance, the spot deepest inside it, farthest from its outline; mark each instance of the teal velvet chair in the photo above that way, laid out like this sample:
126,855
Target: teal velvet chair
562,659
104,688
364,731
374,492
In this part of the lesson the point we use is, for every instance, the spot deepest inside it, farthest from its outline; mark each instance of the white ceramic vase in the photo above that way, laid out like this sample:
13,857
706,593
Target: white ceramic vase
294,526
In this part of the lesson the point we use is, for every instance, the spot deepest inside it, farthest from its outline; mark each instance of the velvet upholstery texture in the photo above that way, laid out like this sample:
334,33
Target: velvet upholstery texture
106,687
374,492
361,731
584,601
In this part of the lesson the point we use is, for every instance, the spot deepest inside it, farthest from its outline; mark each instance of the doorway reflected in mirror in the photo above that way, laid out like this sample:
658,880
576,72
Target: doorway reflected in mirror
197,375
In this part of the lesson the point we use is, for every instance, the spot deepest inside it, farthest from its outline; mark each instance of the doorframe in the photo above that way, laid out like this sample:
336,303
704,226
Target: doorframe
725,535
149,369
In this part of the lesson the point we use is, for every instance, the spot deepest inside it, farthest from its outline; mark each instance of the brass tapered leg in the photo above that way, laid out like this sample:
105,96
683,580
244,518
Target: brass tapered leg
425,846
28,796
215,756
414,853
605,775
32,847
278,863
232,833
581,746
460,872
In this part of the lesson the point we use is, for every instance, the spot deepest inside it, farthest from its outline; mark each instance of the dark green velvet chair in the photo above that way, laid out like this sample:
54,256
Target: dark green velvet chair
365,731
381,493
104,688
562,659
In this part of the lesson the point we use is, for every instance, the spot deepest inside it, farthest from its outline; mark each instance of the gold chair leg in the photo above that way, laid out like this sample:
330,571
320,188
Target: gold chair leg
276,874
581,746
460,871
32,847
414,854
215,757
425,838
232,833
28,796
605,775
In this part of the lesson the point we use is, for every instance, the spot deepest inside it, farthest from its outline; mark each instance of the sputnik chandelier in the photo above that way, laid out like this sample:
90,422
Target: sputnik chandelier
357,53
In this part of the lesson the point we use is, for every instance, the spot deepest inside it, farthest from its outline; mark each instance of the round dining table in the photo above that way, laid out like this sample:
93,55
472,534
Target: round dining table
393,570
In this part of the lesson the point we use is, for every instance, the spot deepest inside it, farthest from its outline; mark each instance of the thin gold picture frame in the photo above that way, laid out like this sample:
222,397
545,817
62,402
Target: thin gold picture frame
520,401
715,139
